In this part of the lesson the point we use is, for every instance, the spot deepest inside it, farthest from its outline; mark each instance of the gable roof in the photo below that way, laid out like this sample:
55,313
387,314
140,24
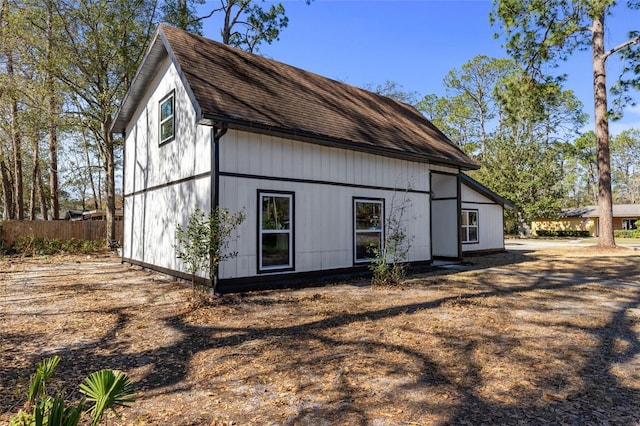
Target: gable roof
480,188
619,210
232,87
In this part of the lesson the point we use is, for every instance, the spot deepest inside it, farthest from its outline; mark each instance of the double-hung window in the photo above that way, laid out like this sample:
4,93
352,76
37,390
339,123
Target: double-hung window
469,226
629,224
368,227
167,119
275,239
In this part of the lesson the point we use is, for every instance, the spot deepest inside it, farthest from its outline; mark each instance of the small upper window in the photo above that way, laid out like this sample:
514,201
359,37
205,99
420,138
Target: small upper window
469,226
167,119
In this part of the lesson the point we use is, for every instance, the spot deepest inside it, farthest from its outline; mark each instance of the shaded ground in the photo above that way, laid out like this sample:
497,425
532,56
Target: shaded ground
548,336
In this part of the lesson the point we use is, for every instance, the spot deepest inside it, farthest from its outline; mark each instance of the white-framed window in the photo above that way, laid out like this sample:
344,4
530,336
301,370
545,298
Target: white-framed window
167,120
368,228
469,226
629,224
275,231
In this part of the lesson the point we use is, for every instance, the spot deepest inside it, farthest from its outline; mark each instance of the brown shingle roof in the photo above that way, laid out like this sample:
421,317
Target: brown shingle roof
619,210
250,91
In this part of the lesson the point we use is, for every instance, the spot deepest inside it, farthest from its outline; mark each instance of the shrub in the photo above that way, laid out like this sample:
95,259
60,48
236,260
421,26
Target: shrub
203,244
564,233
30,245
389,263
627,233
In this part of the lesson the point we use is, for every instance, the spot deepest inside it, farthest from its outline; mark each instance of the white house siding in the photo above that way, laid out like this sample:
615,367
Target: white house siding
163,184
325,181
148,164
490,221
444,208
149,232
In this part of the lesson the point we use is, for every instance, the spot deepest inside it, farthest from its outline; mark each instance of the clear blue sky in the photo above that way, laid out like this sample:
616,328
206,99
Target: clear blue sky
413,43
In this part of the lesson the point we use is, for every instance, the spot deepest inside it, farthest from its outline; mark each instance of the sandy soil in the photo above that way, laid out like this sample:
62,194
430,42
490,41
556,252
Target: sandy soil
549,336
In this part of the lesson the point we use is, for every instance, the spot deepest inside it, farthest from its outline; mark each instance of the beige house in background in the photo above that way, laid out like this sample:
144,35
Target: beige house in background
586,219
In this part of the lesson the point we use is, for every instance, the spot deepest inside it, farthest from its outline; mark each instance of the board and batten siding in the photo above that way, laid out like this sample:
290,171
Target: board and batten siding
324,180
163,184
444,208
490,221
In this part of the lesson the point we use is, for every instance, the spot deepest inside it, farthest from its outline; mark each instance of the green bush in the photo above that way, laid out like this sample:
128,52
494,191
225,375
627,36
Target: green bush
32,246
627,233
571,233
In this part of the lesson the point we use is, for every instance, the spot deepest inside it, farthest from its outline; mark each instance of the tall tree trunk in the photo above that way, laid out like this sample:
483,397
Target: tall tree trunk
42,198
90,171
7,191
52,116
34,182
53,161
109,162
605,222
16,141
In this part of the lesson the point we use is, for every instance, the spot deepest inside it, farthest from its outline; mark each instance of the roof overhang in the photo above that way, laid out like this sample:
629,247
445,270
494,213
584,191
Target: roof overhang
157,51
478,187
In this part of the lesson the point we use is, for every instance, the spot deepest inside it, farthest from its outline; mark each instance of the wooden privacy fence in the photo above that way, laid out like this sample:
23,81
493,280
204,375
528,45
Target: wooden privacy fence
11,230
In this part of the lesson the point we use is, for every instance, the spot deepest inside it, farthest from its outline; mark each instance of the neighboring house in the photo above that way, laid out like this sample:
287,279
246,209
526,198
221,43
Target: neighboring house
586,219
316,165
76,215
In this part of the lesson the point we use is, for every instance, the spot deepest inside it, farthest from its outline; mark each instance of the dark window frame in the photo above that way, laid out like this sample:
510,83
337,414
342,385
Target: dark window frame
291,231
354,233
464,229
170,96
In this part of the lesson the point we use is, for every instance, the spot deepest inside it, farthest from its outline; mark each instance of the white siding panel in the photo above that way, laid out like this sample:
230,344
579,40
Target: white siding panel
264,155
150,165
445,228
323,223
490,221
444,186
469,195
150,226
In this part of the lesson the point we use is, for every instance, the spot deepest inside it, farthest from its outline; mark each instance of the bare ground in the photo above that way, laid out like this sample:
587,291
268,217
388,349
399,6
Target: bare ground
542,337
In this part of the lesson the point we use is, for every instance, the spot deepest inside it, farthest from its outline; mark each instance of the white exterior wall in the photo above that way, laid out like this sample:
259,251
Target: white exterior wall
490,221
325,180
151,216
444,209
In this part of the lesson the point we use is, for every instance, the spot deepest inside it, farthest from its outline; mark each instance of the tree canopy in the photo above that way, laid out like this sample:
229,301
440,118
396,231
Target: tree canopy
540,33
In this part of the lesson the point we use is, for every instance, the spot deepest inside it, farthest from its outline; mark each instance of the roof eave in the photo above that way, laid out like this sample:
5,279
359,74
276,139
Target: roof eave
474,184
158,46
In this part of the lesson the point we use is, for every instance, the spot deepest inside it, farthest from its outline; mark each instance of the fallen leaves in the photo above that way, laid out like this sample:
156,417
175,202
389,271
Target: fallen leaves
452,347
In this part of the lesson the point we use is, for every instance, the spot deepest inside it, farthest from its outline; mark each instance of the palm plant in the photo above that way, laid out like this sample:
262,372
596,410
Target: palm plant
104,389
107,389
44,372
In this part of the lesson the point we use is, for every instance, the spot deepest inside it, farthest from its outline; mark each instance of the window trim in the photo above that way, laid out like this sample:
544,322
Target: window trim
464,229
355,232
172,117
631,222
291,231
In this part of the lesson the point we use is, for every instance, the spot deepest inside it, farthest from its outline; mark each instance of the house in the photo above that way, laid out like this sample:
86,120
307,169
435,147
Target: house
315,164
76,215
586,219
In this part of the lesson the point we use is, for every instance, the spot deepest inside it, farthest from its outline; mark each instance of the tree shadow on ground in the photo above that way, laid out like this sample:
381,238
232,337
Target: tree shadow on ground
602,397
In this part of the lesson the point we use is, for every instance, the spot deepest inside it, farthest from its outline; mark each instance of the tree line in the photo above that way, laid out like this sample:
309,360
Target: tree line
64,67
528,138
66,64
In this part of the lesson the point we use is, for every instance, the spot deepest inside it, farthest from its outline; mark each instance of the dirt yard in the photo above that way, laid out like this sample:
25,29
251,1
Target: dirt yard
544,337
